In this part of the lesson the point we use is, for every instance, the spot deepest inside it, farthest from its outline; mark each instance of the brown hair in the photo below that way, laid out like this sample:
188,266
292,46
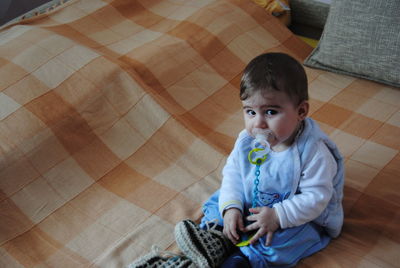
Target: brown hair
275,71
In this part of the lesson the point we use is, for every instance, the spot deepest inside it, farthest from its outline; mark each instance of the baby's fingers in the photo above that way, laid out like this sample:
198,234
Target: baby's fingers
241,225
257,236
231,234
235,235
269,237
230,237
252,227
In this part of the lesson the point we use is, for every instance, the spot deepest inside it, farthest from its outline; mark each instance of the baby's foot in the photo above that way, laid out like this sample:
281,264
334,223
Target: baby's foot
206,248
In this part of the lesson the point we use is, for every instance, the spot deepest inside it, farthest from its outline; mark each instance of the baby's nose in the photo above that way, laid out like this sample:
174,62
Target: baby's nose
261,122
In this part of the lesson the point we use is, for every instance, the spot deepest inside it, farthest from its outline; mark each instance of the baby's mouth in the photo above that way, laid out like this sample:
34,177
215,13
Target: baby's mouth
263,138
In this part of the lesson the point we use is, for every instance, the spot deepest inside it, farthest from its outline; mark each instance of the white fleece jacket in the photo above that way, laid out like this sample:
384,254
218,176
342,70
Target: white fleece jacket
303,183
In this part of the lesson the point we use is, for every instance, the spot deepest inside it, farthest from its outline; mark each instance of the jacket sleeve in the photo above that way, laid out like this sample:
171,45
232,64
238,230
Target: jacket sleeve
314,192
232,190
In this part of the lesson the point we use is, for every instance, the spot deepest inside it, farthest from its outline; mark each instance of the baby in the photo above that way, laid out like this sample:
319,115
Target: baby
281,194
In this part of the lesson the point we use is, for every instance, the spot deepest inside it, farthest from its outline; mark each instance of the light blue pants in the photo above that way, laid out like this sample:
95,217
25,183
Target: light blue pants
288,245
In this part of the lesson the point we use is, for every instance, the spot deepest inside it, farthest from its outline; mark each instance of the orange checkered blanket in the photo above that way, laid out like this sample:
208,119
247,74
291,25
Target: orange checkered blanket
116,117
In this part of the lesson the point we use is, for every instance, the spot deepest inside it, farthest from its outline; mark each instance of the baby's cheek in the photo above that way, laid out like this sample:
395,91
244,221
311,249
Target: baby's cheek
285,132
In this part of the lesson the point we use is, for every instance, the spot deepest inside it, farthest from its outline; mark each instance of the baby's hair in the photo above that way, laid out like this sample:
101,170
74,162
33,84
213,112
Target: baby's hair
275,71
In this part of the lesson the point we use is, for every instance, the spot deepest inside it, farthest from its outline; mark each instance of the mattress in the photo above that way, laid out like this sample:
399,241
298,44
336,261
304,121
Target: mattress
117,116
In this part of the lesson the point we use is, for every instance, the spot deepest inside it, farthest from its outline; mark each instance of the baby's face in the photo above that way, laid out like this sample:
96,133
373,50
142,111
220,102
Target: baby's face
273,111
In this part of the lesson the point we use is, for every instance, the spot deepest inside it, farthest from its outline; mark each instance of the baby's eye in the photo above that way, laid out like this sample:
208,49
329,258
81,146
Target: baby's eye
271,112
251,112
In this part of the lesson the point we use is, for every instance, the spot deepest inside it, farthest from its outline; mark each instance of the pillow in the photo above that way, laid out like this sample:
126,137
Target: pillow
361,38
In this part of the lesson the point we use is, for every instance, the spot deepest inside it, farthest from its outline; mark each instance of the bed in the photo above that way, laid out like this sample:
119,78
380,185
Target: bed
116,117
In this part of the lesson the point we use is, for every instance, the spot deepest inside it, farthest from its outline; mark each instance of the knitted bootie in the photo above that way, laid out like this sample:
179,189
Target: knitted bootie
158,259
206,248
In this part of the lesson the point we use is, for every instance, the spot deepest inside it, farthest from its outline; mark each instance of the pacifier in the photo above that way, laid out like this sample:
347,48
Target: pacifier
260,146
262,138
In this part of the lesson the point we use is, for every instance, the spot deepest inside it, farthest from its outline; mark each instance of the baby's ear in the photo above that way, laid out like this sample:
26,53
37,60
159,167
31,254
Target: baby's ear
303,110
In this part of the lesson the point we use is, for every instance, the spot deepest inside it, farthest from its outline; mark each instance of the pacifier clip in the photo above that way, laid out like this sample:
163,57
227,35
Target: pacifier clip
258,162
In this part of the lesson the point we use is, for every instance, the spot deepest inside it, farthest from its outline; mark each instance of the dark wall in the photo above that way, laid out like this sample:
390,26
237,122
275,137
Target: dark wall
10,9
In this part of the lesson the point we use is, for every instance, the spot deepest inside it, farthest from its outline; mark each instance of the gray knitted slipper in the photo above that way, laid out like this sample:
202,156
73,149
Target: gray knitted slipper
157,259
206,248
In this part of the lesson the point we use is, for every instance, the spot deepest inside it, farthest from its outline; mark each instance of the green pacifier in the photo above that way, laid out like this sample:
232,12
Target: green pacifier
245,242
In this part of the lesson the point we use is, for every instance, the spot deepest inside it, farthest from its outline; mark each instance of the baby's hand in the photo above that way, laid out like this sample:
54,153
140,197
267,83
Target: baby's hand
265,221
232,222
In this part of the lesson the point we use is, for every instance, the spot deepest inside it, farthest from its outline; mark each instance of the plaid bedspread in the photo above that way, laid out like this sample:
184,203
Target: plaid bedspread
116,117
